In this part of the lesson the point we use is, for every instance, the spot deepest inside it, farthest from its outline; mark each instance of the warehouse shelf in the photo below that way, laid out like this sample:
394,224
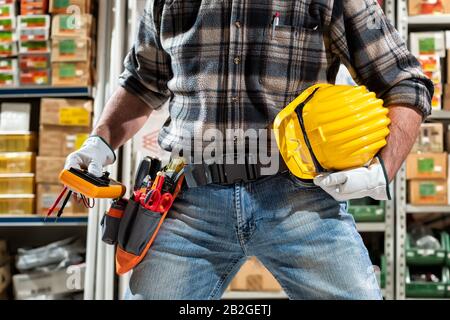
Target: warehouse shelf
371,226
231,295
36,221
45,91
440,115
424,20
427,209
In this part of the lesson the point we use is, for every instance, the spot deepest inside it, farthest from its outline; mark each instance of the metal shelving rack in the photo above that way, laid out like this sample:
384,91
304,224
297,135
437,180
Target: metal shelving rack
45,91
95,287
32,221
404,22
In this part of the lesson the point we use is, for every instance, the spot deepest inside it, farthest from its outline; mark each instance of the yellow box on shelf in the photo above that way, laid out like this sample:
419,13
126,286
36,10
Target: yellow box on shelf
18,183
17,142
17,204
17,162
66,112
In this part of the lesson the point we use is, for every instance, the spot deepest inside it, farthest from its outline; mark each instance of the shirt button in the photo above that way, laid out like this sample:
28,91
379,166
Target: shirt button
237,60
237,24
234,99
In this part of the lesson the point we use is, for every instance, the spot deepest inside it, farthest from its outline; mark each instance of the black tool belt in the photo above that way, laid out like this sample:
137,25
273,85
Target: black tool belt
197,175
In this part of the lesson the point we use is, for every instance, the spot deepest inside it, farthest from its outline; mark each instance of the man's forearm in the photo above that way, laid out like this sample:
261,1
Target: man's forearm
404,131
124,115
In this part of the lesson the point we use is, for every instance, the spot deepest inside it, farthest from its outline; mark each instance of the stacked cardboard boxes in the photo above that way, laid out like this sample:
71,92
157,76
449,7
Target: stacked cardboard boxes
426,167
71,43
8,43
34,49
429,48
30,55
65,125
17,160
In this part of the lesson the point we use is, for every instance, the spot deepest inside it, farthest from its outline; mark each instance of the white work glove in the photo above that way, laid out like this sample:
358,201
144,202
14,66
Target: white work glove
370,181
94,155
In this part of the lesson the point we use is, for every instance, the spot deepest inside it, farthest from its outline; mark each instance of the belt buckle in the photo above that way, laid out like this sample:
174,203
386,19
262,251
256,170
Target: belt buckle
246,172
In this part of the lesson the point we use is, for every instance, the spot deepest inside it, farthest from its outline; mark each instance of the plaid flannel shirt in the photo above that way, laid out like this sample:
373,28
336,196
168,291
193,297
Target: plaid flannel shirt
223,65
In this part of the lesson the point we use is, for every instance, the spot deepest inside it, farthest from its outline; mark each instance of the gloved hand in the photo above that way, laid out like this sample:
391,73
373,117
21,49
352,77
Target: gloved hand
370,181
94,155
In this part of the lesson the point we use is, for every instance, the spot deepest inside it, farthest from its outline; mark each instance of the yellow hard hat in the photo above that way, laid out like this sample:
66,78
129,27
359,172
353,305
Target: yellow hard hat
331,128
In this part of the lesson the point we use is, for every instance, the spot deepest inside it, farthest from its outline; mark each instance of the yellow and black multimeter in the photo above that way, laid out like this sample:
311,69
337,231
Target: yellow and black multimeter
84,183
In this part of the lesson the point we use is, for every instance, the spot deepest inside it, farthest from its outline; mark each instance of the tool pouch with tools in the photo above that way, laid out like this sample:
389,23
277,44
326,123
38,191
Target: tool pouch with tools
137,232
111,221
133,224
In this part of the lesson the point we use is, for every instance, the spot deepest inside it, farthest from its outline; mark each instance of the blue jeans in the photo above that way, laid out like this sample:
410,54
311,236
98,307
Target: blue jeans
304,237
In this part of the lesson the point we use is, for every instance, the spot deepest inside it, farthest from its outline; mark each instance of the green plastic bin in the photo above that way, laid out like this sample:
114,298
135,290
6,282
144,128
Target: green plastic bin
426,257
427,290
366,210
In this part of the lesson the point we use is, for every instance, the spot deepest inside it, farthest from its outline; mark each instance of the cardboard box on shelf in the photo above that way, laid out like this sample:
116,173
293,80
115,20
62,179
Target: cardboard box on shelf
71,49
60,141
427,43
47,195
17,205
8,49
49,283
39,34
48,169
8,79
430,139
8,23
17,162
8,65
34,47
34,22
71,74
33,7
418,7
65,26
34,61
18,142
428,192
7,36
253,276
66,112
61,7
7,9
426,166
15,116
32,77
